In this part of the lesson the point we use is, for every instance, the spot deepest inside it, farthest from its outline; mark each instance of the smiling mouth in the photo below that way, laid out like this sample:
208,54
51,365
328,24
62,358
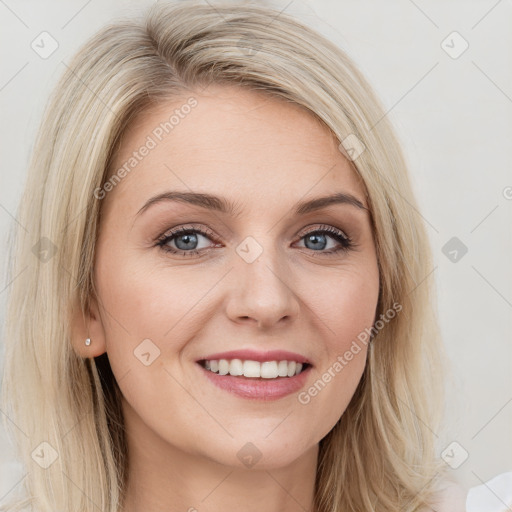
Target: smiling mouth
254,369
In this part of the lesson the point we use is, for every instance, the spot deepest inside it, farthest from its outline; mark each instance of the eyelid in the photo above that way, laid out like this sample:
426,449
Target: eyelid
187,227
321,227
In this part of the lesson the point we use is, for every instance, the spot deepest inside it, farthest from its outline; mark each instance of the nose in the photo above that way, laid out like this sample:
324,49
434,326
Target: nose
263,293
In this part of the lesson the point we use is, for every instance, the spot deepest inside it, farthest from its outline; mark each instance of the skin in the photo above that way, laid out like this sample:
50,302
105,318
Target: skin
183,432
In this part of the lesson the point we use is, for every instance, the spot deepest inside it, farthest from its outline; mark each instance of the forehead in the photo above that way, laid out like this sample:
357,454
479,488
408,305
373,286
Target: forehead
233,142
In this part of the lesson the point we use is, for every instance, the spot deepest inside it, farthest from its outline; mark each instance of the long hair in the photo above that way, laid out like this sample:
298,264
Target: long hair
381,454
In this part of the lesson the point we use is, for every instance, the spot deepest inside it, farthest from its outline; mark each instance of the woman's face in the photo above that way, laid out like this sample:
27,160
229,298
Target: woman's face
262,276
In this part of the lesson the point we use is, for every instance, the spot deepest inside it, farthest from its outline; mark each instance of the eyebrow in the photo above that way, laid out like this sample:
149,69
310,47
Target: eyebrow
222,205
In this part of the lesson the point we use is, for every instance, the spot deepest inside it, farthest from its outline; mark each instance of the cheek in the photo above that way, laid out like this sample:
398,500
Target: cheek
347,310
134,305
137,299
145,319
147,301
346,303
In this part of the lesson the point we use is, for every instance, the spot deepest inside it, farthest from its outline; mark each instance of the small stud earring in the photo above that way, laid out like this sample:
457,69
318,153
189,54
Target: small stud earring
88,341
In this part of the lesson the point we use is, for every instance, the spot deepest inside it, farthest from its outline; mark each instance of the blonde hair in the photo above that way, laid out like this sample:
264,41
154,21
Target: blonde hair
381,454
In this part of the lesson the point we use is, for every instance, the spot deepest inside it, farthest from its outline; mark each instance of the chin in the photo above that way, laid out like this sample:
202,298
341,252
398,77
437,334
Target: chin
259,454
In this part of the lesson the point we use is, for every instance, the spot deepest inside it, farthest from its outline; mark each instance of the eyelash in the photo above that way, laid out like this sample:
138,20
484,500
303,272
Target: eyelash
346,243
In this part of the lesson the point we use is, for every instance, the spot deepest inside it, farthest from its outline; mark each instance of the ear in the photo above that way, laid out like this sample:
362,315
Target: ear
87,324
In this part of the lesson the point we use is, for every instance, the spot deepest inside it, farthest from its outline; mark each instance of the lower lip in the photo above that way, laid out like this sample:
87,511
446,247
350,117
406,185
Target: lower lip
258,389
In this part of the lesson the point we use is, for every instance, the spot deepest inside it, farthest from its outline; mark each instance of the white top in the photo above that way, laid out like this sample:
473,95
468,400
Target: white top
495,495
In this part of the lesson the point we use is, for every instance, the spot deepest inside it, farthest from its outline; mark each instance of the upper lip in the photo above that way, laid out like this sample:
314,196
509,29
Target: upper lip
255,355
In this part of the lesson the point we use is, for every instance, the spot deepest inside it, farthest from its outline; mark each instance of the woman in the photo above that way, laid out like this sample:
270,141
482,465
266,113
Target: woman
222,296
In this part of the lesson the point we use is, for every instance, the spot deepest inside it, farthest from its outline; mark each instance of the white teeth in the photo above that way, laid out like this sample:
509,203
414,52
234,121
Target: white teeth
223,367
236,367
269,370
254,369
282,369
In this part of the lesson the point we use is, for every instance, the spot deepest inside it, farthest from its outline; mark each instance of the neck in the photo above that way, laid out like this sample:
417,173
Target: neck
164,478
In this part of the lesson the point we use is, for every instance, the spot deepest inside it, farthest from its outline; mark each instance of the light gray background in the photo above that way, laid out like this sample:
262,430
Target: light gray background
454,117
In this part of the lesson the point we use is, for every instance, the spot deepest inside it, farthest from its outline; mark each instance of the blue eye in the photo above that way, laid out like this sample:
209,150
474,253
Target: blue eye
318,240
186,240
